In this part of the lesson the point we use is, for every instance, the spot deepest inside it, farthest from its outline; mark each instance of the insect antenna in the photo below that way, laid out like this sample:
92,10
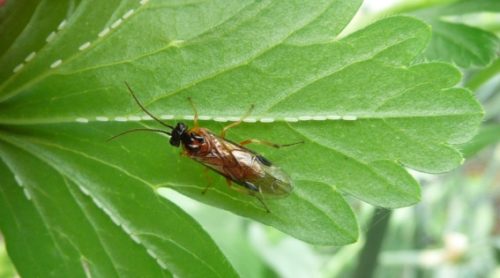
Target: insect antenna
139,129
144,108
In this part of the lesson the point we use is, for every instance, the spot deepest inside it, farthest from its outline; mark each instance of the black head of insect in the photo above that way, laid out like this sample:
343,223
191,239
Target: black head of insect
190,140
179,134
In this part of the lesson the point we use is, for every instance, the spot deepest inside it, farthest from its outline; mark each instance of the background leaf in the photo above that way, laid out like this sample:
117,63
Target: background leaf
361,105
465,45
487,135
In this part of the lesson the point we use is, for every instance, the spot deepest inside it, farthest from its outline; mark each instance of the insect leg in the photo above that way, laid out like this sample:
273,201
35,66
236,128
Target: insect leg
250,190
195,120
267,143
255,191
224,130
209,181
259,197
229,182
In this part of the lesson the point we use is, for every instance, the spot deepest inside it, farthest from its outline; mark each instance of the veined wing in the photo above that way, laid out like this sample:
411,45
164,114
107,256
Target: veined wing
260,174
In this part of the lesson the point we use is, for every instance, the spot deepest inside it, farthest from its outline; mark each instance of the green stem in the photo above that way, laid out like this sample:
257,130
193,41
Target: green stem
419,236
368,259
415,5
483,76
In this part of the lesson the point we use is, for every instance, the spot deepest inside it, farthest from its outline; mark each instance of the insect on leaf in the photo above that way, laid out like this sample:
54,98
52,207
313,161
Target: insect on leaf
363,108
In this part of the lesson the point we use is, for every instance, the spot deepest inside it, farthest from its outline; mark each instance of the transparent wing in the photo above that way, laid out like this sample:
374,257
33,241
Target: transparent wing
275,182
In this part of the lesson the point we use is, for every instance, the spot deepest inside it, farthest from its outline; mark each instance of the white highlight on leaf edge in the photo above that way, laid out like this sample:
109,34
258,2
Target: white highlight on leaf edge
51,36
135,118
116,23
62,25
56,63
349,118
84,46
18,180
128,14
18,67
102,118
27,193
266,120
30,57
104,32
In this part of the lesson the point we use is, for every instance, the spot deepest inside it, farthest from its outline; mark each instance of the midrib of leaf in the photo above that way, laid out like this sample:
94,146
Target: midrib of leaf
54,165
359,116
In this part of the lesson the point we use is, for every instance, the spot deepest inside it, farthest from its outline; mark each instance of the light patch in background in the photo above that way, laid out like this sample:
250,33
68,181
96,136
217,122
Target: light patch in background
373,6
182,201
365,14
289,257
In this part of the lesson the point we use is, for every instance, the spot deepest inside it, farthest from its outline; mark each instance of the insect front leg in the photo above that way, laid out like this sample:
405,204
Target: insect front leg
229,182
195,119
267,143
224,130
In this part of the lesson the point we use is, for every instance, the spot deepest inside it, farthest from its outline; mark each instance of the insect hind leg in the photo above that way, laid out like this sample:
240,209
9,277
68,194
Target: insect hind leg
250,189
224,130
267,143
261,200
255,191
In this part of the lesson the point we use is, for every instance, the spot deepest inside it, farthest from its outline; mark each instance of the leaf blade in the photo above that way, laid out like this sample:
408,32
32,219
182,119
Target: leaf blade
136,233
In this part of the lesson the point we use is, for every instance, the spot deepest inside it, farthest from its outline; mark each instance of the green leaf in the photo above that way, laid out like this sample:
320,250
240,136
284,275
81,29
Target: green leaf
54,217
363,108
464,45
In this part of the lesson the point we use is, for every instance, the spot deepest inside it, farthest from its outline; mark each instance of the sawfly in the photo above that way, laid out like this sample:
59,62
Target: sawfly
254,174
